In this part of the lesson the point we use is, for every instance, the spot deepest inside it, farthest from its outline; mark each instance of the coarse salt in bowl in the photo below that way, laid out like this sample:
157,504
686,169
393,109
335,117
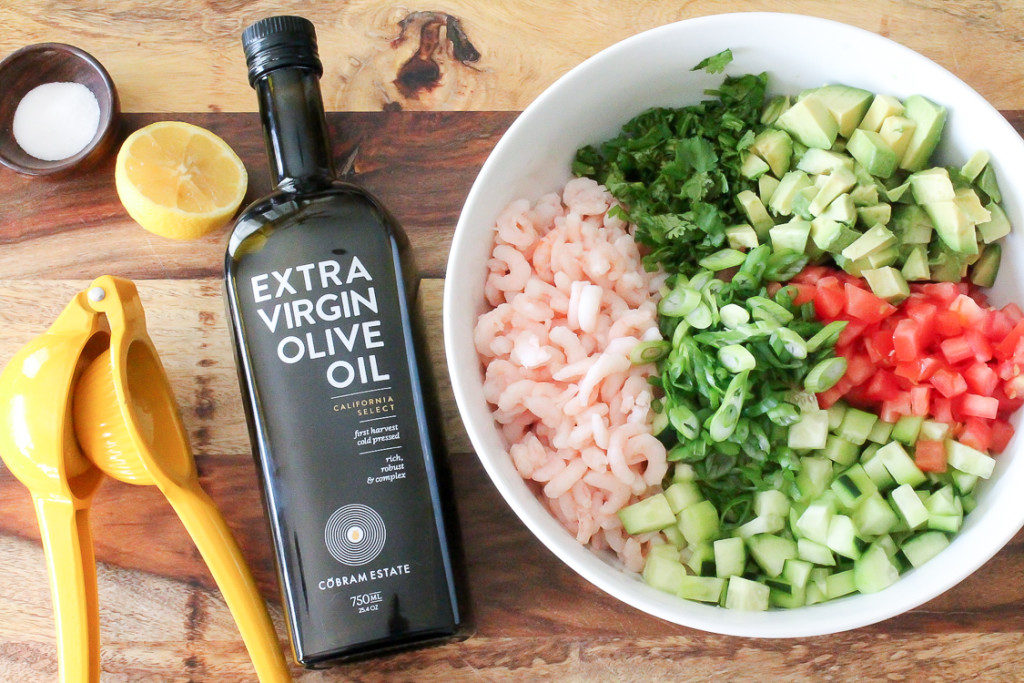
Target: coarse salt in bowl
590,104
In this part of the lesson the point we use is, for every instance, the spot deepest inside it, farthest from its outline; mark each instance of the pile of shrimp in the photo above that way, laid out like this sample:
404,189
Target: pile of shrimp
569,300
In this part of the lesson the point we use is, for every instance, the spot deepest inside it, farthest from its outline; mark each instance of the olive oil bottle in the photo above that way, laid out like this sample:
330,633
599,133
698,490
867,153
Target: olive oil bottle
321,296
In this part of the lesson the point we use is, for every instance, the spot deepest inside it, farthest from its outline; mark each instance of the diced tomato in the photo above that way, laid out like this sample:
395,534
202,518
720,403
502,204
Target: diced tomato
973,405
859,369
956,349
971,314
981,378
829,298
979,344
1002,432
948,324
851,333
975,433
1008,345
948,383
879,345
883,387
1013,312
894,408
908,340
941,409
920,400
930,456
803,294
865,306
998,324
942,292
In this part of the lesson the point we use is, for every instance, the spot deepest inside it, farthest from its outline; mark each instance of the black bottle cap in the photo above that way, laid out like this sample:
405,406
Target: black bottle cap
276,42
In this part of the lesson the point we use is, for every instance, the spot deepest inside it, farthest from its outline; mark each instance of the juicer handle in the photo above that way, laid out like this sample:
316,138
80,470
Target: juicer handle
222,555
67,542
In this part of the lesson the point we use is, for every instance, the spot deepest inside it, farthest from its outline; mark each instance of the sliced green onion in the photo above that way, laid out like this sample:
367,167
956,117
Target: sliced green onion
826,336
784,265
733,315
825,374
736,358
722,259
723,423
680,301
684,421
649,352
763,308
788,341
700,317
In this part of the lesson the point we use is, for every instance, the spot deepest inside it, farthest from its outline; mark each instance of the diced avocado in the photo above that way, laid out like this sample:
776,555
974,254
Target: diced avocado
838,182
953,226
882,107
753,166
877,238
758,216
824,232
872,152
876,214
810,122
932,185
864,195
766,185
775,147
774,108
997,227
969,202
817,161
897,132
929,119
741,236
912,224
944,265
887,283
975,165
802,202
846,104
791,236
841,209
881,258
987,183
915,265
790,184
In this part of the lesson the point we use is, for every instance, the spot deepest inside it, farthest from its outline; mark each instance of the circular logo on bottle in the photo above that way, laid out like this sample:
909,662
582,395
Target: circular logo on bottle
355,534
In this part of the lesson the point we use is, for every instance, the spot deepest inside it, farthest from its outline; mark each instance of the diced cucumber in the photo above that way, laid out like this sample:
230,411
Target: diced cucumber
874,570
843,539
907,429
950,523
900,465
814,522
856,425
702,559
933,430
765,524
881,433
797,572
924,546
699,522
852,486
683,472
730,557
771,552
682,494
836,411
784,594
674,536
702,588
665,550
840,450
650,514
814,476
745,594
969,460
839,584
874,516
810,432
665,574
875,469
771,502
909,505
815,552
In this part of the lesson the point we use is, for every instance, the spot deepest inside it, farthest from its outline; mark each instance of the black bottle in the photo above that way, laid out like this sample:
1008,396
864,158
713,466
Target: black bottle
321,296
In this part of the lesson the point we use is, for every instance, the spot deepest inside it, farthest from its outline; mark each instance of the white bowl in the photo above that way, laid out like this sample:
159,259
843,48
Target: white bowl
589,104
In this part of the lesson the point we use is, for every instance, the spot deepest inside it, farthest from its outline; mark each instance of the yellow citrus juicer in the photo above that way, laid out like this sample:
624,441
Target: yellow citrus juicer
115,414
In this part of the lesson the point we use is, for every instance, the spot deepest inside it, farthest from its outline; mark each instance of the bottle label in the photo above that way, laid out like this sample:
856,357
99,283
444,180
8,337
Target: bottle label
344,441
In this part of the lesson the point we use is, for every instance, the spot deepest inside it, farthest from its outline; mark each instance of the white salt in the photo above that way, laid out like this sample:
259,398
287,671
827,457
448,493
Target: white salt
56,120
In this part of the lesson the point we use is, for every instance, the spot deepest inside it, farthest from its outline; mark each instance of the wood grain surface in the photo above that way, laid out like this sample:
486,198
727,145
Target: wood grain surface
162,617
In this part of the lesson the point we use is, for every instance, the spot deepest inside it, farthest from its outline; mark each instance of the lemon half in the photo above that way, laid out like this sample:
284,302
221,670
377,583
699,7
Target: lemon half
178,180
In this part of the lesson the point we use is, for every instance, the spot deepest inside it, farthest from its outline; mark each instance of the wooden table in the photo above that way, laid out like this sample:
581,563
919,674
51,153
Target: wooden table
419,150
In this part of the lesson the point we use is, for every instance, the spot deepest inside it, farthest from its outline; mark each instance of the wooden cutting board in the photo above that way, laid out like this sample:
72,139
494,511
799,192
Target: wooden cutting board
162,617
